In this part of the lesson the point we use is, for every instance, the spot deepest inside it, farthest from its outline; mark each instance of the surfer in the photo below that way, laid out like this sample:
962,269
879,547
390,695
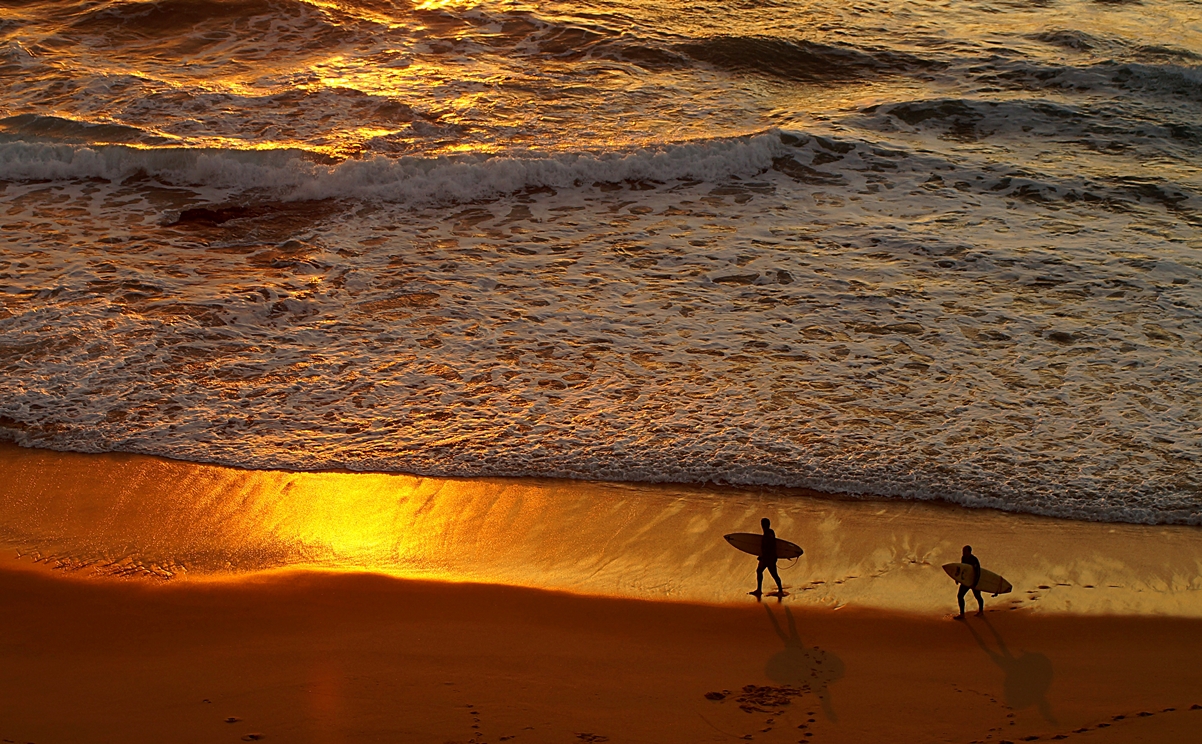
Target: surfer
767,559
971,560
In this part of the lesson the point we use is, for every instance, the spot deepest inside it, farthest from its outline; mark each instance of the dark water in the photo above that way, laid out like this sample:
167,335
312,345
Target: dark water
924,250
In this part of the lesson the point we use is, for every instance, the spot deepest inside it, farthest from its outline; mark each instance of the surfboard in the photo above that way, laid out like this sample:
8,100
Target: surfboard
990,582
750,542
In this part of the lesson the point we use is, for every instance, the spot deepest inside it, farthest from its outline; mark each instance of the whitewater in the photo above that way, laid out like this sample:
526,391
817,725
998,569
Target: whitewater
939,251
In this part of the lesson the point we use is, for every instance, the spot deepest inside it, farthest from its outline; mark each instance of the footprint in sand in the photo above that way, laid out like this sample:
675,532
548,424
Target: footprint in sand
253,737
810,668
1117,719
772,701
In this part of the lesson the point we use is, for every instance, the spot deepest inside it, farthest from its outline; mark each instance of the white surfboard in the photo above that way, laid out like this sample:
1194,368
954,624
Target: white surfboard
990,582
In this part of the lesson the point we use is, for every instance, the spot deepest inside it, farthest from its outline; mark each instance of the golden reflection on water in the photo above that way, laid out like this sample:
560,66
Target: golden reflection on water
439,4
135,515
360,10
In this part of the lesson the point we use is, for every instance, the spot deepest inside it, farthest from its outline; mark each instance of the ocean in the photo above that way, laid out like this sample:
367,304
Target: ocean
944,251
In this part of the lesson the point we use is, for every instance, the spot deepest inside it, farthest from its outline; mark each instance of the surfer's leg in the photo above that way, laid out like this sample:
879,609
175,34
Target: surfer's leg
772,569
980,601
759,579
960,598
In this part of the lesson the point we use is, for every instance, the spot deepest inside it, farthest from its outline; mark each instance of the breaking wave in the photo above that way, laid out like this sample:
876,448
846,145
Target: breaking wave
296,174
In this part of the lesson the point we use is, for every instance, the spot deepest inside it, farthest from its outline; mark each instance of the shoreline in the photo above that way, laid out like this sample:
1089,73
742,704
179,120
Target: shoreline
988,503
330,657
180,602
141,515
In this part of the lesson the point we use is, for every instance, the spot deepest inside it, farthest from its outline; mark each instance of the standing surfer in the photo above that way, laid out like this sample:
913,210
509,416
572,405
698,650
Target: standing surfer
768,559
971,560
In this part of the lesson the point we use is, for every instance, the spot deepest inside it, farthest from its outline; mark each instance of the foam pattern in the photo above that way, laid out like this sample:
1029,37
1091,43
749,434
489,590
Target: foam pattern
831,246
809,326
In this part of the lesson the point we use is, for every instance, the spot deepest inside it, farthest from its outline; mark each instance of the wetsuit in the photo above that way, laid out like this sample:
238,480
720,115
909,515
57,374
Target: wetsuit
767,560
971,560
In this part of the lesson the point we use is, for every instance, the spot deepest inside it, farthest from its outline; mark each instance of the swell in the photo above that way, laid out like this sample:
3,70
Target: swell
162,18
251,29
225,30
802,60
1171,79
1081,41
255,29
33,128
1101,126
785,59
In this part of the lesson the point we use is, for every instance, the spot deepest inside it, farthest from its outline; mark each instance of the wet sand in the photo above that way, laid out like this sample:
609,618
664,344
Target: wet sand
149,600
133,515
349,657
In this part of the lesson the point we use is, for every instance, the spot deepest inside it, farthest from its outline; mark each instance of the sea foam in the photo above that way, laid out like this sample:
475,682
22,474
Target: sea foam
294,174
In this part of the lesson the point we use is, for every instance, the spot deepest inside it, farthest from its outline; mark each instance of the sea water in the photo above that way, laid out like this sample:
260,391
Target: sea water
924,250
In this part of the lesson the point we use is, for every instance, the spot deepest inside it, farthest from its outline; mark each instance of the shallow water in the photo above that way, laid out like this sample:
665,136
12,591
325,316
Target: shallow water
936,251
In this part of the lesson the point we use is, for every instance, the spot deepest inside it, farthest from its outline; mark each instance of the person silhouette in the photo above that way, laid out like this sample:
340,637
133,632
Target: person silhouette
767,559
971,560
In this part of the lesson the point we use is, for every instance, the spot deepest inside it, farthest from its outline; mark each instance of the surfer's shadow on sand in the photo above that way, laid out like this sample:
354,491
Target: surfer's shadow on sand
1028,675
806,667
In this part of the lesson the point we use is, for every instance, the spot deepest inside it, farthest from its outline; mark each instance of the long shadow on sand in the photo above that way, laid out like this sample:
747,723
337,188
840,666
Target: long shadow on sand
798,666
1028,676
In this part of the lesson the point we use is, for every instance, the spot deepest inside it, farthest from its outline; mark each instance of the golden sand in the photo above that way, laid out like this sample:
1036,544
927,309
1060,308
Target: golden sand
147,600
351,657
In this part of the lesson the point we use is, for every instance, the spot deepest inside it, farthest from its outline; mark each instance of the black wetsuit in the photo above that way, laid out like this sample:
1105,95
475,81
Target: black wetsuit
768,547
971,560
767,560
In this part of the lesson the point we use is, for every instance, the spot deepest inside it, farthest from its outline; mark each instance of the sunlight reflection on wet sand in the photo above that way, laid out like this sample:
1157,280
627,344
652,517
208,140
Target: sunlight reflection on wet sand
137,515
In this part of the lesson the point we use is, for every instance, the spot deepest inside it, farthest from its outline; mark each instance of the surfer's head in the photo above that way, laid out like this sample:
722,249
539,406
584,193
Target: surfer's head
967,550
765,523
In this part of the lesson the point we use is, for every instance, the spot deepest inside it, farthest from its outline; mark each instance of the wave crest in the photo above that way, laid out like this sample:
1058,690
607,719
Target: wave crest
294,174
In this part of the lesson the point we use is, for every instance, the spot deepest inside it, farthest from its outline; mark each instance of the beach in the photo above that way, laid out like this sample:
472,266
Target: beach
375,370
332,657
547,644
